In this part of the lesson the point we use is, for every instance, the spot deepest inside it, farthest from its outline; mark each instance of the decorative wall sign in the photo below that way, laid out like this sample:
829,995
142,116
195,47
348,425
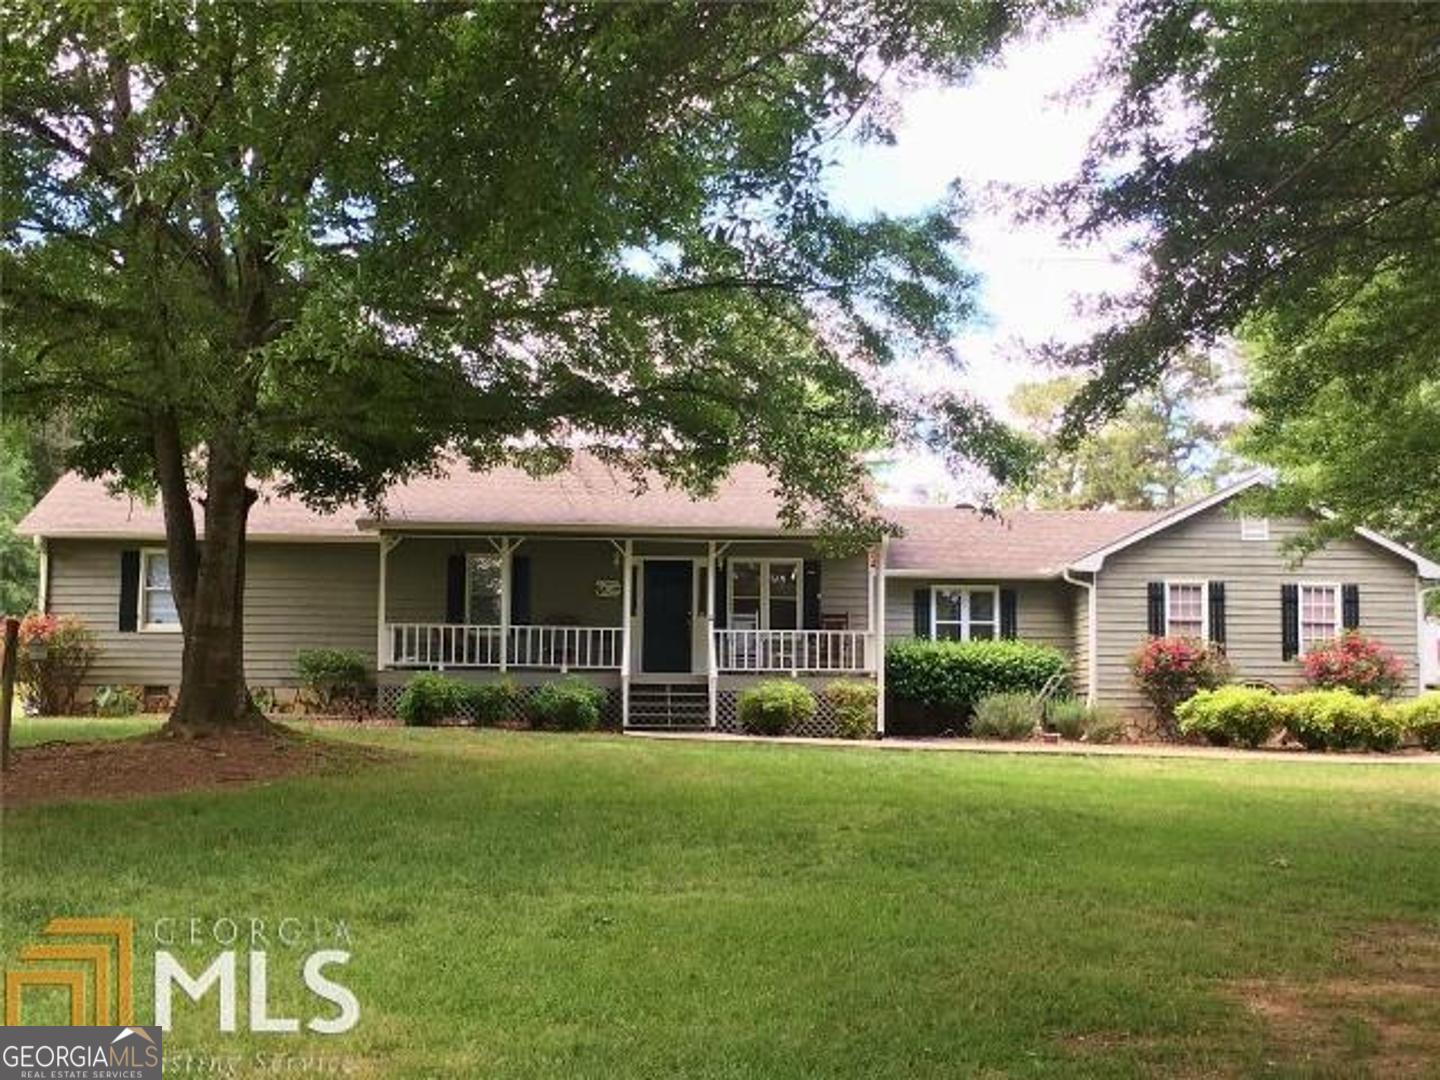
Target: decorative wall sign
607,587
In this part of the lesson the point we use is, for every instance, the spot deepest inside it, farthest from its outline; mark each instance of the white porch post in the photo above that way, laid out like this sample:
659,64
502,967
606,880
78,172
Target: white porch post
712,676
42,598
877,635
506,549
382,637
626,600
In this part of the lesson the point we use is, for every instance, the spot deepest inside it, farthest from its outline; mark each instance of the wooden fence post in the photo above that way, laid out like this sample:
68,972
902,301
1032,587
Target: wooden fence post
7,687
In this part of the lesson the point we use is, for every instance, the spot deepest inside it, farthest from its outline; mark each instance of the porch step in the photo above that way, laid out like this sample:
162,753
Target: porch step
669,705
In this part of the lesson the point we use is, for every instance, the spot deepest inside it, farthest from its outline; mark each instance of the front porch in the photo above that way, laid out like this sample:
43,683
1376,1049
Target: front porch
674,627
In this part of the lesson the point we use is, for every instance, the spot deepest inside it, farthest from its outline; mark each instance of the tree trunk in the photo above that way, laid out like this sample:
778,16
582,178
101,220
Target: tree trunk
213,694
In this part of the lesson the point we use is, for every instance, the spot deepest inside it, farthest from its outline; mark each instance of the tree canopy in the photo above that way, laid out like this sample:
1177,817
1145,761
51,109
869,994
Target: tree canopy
1280,164
1163,448
323,244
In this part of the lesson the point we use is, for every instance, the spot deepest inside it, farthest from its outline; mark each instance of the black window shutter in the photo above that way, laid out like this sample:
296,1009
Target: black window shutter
1008,613
1217,612
455,589
1289,621
520,589
1350,606
812,594
1155,604
722,595
129,590
922,611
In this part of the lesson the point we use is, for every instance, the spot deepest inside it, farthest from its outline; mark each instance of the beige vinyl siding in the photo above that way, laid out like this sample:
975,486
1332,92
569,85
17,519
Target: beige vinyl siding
1043,611
296,596
1207,547
1080,615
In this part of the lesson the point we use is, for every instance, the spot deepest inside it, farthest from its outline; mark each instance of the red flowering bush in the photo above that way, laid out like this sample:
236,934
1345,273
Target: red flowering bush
1355,662
1170,670
56,652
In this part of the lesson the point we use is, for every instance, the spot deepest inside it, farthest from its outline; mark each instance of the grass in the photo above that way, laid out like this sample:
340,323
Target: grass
541,905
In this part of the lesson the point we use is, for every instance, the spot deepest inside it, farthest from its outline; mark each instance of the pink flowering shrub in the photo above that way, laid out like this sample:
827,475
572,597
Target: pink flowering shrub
1355,662
1170,670
51,681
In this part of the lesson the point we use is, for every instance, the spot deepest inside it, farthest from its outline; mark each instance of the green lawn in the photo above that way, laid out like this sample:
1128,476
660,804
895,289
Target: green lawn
542,906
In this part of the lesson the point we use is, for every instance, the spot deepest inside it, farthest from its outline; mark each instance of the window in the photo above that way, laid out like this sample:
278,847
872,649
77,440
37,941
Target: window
157,604
482,589
963,613
1185,614
765,594
1319,615
1254,528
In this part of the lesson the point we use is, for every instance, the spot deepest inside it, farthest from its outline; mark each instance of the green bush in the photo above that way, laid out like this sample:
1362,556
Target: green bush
775,707
1067,716
853,701
116,701
1421,718
339,679
1007,716
1105,726
429,698
493,702
1232,715
1339,720
570,704
954,675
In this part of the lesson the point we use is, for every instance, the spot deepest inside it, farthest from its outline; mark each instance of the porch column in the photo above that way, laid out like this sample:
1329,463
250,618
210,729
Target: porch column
42,598
505,549
877,636
626,593
712,676
382,637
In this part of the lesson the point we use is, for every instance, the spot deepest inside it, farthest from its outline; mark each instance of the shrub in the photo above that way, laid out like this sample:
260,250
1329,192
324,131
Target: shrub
1170,670
1238,715
775,707
1007,716
429,698
1067,716
1355,662
954,675
1421,718
51,681
339,679
853,702
571,704
115,701
493,702
1339,720
1106,726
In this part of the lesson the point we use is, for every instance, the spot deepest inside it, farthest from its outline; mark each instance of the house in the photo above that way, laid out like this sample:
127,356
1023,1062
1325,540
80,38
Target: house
675,605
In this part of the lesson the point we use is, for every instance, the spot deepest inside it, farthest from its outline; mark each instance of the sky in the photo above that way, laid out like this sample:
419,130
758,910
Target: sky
1017,122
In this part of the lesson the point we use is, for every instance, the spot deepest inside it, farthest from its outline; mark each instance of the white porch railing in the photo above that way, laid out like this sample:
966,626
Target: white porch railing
794,650
455,645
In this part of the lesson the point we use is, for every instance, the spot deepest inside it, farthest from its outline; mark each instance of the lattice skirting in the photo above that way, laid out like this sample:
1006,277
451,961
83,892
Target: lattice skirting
822,726
388,698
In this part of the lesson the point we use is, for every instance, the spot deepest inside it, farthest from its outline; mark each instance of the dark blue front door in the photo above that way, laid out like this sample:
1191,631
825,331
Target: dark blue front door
668,587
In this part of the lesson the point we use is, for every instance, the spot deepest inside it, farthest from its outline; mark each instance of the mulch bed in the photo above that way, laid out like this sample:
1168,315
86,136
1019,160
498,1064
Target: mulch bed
155,764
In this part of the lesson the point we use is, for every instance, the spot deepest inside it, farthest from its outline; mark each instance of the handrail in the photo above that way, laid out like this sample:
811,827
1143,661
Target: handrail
469,645
794,651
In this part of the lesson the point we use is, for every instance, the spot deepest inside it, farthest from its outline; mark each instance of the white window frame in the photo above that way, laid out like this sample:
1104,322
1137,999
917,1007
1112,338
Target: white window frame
1204,604
1254,528
1338,626
503,599
142,596
967,591
763,623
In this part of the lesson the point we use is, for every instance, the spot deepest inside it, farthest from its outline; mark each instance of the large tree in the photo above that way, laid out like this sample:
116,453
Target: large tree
1280,164
325,244
1166,446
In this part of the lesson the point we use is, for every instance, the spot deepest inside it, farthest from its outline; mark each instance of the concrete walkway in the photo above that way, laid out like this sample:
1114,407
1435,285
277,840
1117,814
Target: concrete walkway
1060,749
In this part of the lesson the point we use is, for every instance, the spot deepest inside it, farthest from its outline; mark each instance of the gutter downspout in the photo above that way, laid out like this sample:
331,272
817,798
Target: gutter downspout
1092,632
